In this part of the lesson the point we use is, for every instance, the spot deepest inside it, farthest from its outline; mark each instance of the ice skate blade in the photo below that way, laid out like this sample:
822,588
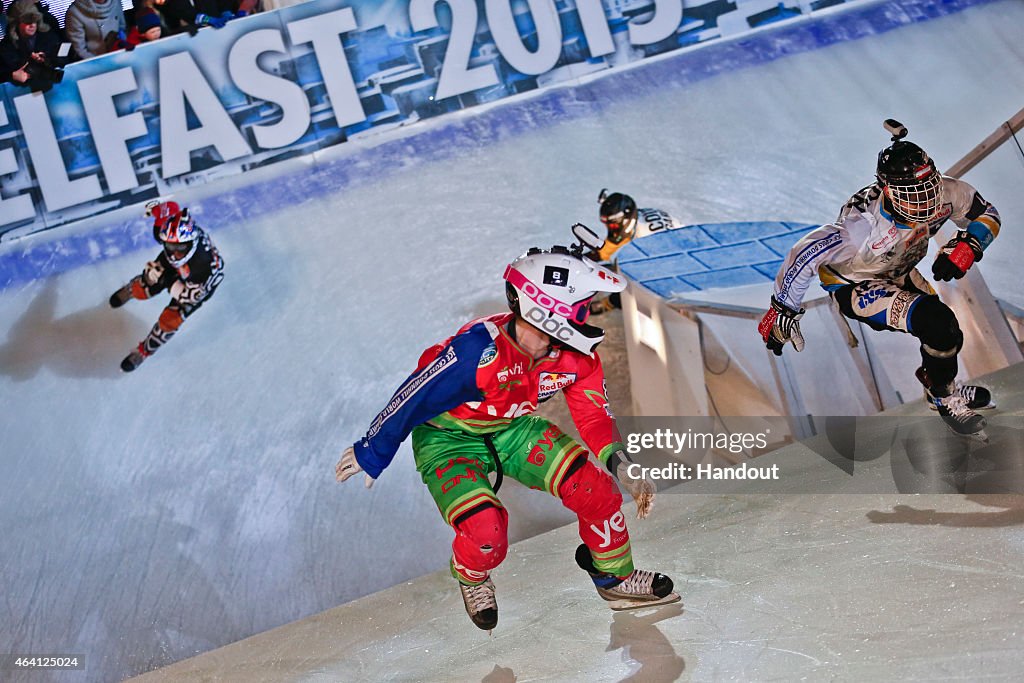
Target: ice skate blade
990,406
622,604
979,436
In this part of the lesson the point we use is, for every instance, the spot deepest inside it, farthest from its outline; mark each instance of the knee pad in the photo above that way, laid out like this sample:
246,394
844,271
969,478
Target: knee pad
481,539
139,290
591,493
170,319
935,324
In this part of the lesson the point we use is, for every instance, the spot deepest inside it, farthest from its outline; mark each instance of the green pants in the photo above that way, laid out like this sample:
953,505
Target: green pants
454,465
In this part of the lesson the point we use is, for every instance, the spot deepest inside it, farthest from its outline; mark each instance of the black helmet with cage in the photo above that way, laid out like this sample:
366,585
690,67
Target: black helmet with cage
909,179
618,213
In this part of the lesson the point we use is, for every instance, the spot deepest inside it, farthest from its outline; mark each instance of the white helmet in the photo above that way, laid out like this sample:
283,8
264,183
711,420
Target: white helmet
552,290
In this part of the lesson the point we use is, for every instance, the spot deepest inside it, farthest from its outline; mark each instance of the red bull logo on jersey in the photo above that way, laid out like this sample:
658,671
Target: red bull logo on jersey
550,383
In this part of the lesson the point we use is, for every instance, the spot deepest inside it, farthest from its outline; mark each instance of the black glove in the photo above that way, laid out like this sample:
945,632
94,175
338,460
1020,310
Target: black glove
956,257
780,325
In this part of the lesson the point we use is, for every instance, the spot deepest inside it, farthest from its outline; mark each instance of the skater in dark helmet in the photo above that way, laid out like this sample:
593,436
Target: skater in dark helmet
468,408
868,260
624,222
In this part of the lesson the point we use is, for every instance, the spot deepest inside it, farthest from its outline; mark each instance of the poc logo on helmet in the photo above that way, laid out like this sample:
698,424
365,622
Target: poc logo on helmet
541,319
550,303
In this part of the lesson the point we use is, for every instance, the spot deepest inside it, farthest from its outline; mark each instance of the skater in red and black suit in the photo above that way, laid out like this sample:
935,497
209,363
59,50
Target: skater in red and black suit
468,408
188,266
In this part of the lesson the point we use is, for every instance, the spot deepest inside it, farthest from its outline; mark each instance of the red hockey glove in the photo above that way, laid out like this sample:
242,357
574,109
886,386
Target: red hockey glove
956,257
780,325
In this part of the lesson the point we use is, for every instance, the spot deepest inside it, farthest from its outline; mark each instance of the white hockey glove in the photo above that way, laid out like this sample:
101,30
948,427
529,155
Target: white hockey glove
641,489
348,465
152,273
188,293
779,325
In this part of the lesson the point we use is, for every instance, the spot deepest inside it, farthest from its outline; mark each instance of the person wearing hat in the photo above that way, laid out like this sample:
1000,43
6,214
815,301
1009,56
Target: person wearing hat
28,42
88,24
48,18
147,28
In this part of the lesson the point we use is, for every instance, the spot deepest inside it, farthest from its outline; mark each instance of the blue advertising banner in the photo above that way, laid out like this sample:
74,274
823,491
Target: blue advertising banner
130,126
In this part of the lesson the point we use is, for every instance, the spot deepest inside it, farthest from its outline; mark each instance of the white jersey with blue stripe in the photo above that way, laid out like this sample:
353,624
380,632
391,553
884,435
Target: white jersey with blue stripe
868,243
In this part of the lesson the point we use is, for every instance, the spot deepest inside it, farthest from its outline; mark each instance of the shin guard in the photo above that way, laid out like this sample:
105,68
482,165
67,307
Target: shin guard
593,495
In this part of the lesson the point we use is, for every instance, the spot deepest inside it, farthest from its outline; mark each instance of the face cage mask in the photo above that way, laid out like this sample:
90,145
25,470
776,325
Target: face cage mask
619,227
918,202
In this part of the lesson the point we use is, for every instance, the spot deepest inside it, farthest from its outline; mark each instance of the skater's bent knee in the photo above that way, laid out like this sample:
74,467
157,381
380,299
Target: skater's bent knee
170,320
935,324
139,290
482,537
591,493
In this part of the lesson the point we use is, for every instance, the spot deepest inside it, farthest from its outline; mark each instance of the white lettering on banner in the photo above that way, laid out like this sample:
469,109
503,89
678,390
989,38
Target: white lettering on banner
111,132
482,41
17,208
595,27
456,77
324,31
668,14
617,522
243,65
181,81
510,44
59,191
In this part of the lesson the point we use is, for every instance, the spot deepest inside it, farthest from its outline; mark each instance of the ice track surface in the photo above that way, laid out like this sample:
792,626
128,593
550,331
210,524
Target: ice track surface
154,516
830,586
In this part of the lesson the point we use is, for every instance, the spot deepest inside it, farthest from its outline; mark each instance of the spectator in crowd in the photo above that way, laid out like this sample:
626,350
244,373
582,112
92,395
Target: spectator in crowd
186,15
139,7
90,25
28,47
48,18
147,28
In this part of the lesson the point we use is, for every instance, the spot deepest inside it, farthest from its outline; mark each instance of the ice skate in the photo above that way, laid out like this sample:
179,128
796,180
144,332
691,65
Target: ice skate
978,398
134,359
642,588
481,605
121,296
958,416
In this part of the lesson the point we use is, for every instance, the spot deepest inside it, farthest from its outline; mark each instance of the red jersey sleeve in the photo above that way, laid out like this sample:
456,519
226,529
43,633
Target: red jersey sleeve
587,398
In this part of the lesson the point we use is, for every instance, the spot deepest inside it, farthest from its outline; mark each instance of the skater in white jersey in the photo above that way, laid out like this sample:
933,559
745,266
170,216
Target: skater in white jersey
868,260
